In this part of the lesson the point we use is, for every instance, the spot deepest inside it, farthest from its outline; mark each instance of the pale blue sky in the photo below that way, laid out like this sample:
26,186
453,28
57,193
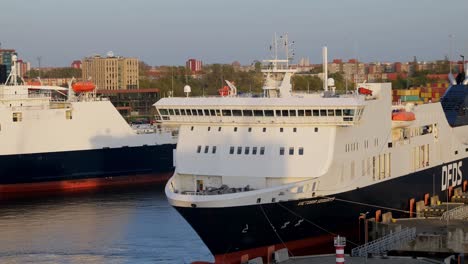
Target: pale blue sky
220,31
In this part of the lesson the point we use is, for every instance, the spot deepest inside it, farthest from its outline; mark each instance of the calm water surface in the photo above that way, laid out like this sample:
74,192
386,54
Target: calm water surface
132,226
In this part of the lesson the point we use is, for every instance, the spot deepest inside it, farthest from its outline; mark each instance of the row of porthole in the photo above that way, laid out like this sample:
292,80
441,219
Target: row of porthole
250,129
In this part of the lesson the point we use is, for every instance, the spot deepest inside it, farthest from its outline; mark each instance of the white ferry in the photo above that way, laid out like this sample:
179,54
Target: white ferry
254,175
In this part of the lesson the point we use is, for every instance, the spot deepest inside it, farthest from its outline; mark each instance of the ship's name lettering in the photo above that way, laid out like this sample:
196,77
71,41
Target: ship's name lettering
316,201
451,175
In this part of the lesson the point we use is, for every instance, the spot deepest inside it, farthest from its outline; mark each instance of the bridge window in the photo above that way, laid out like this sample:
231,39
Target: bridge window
189,112
212,112
207,112
338,112
226,112
323,112
316,112
278,112
247,112
177,112
218,112
331,112
300,112
163,111
348,112
292,112
237,112
182,111
194,112
268,112
284,113
258,112
200,112
308,112
171,111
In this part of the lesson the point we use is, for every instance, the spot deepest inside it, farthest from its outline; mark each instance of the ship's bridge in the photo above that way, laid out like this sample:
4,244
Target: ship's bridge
342,111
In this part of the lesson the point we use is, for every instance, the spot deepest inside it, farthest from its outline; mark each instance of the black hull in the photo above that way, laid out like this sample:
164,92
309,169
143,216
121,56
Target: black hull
239,229
85,164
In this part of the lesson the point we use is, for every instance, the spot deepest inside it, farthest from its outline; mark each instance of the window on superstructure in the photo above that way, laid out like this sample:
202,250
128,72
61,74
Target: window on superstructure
212,112
308,112
198,149
281,129
191,128
194,112
226,112
316,112
300,112
189,112
209,128
281,151
182,112
292,112
262,150
301,151
207,112
171,111
247,112
17,117
316,129
323,112
235,129
278,112
284,112
218,112
239,150
250,129
231,150
163,111
213,150
291,151
268,112
264,129
254,151
338,112
206,149
258,112
237,112
331,112
294,129
219,129
247,150
68,114
177,112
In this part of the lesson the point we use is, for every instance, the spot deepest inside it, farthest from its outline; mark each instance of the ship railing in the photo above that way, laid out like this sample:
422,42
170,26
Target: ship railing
389,242
457,213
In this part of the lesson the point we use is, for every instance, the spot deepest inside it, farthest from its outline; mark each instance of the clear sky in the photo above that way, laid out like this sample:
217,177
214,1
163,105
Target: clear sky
222,31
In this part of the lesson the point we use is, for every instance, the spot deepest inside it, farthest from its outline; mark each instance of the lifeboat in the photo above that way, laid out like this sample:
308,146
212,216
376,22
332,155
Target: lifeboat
402,119
364,91
82,87
34,83
224,91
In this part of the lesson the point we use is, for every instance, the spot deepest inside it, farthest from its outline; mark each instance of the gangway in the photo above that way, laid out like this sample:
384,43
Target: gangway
385,243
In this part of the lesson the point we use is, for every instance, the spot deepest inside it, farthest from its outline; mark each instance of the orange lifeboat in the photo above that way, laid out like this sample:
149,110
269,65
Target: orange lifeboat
34,83
81,87
403,116
224,91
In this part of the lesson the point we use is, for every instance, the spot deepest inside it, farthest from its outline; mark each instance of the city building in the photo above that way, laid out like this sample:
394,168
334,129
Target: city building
130,103
194,65
111,72
23,68
76,64
5,58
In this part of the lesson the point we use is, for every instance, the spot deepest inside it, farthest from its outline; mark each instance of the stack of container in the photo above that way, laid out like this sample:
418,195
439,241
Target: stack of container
432,92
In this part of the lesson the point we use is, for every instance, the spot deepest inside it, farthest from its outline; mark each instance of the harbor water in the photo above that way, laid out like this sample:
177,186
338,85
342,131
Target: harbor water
118,226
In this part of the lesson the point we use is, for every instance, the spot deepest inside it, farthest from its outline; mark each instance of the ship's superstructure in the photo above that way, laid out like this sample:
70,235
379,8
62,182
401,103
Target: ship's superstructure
51,134
291,170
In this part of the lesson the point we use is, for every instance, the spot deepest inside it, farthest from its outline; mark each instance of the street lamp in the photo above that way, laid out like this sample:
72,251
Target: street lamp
463,59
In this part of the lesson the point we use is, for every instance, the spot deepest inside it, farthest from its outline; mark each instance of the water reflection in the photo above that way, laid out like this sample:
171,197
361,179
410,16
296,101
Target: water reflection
131,226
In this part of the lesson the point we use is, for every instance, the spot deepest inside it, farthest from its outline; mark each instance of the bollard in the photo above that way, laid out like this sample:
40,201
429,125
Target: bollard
340,243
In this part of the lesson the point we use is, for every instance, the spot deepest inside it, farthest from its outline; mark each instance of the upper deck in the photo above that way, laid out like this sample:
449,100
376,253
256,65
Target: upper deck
344,111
